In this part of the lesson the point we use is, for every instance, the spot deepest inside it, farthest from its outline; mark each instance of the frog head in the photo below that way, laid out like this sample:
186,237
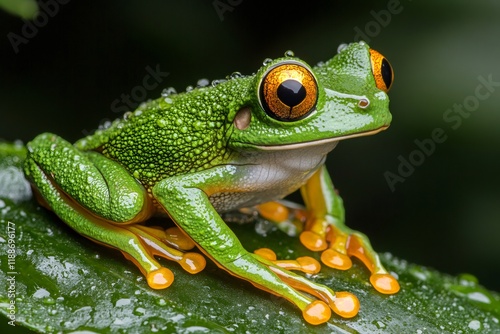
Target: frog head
296,105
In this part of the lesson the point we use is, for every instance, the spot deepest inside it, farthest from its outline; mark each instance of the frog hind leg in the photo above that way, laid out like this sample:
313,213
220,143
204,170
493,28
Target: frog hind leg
100,198
186,199
325,231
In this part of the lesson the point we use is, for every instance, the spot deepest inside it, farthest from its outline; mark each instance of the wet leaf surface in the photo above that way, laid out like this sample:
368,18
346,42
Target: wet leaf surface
64,283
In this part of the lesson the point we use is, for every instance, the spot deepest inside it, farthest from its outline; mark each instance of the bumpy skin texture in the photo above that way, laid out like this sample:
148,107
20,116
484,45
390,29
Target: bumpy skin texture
187,133
194,155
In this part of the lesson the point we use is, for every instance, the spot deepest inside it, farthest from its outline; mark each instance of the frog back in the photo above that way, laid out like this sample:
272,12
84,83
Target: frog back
173,135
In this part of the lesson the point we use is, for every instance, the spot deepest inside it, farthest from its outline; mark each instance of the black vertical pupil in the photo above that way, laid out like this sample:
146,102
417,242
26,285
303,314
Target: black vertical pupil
386,73
291,92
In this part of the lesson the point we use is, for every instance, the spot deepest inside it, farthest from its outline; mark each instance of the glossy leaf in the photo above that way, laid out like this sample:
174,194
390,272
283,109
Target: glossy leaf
64,282
26,9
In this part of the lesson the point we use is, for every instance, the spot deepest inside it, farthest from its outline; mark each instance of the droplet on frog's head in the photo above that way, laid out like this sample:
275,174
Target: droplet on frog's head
266,61
127,115
341,47
202,82
105,125
235,75
217,82
168,91
289,53
189,88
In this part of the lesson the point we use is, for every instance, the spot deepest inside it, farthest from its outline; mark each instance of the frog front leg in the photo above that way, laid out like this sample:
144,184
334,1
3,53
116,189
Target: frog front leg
186,199
325,231
99,199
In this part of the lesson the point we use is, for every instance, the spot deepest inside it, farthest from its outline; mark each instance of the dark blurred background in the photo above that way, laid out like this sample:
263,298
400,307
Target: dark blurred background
68,74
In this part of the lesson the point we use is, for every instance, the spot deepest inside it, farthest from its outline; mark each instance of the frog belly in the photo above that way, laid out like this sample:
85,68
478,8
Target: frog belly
265,176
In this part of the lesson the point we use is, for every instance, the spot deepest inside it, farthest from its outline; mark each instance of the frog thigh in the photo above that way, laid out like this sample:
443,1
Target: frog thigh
97,183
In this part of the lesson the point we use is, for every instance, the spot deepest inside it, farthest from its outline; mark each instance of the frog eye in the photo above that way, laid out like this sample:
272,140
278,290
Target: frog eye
382,71
288,92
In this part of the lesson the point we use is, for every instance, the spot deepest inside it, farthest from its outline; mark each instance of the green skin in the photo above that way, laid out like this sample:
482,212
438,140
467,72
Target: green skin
187,155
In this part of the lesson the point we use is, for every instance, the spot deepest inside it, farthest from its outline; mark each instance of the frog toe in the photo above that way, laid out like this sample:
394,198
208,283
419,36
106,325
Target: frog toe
317,312
289,217
316,300
385,283
335,259
313,241
345,305
305,264
160,278
339,243
153,241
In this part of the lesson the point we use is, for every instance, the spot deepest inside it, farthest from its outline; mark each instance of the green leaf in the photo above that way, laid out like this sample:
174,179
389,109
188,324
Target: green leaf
26,9
63,282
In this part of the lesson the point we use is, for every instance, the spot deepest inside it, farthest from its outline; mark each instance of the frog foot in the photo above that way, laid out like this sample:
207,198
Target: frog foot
314,311
338,244
288,216
169,244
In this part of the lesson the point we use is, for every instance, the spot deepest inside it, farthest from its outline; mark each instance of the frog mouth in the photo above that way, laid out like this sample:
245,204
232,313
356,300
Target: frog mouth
319,141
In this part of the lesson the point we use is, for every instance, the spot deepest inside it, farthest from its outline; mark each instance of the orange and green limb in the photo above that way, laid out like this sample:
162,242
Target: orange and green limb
81,188
325,231
186,200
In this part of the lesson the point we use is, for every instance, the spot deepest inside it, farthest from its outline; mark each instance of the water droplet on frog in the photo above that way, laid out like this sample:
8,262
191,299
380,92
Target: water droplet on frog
289,53
161,123
168,91
127,115
202,82
217,82
267,61
235,75
341,47
105,125
189,88
320,64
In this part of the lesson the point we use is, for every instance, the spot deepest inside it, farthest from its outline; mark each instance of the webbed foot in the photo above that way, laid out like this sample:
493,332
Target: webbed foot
314,311
337,243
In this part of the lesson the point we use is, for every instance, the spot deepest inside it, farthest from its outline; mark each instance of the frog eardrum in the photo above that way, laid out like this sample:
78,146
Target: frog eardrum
288,91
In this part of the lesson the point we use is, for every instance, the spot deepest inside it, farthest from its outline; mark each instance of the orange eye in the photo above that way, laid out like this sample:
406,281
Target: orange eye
382,71
288,92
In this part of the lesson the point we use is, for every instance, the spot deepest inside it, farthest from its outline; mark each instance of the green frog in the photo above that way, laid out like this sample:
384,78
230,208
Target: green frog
244,142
